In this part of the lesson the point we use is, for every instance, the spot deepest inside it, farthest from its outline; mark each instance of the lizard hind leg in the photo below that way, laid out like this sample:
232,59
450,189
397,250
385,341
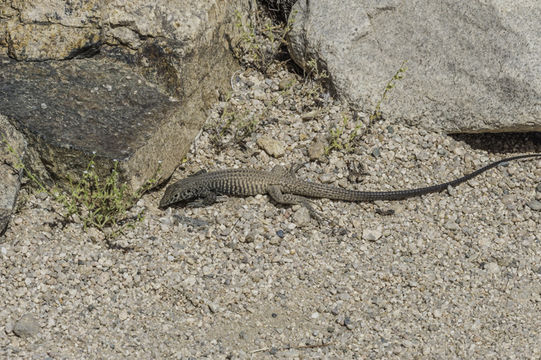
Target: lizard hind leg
280,169
291,171
296,167
276,194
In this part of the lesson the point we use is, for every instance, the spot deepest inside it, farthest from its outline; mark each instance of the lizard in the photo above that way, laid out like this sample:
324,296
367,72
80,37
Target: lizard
285,188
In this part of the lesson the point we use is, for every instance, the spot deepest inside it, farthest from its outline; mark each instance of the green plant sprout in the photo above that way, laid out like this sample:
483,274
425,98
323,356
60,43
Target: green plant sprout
399,75
336,133
102,203
99,203
260,44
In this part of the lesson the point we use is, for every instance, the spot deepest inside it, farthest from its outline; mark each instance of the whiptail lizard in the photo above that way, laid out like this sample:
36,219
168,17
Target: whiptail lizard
284,188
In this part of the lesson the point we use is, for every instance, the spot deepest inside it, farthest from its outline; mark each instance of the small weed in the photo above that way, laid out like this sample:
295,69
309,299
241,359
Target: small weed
19,165
245,129
99,203
399,75
336,138
102,203
336,141
289,86
260,44
314,72
232,126
314,81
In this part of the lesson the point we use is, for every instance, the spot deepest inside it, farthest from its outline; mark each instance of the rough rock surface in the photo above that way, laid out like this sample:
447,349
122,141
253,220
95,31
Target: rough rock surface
84,106
472,66
10,175
128,81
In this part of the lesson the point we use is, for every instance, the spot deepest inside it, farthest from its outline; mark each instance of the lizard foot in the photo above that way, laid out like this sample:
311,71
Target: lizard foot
289,199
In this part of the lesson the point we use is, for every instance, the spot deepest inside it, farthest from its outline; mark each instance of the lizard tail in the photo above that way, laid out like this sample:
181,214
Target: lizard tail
403,194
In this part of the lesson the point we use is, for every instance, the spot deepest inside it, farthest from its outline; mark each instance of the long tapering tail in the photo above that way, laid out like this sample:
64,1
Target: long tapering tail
403,194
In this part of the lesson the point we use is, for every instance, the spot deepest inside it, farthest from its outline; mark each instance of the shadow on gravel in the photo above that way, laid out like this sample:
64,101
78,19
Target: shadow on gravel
503,143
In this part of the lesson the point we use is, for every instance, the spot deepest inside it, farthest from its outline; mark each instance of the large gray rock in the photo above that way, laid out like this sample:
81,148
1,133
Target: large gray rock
72,109
12,149
472,65
130,81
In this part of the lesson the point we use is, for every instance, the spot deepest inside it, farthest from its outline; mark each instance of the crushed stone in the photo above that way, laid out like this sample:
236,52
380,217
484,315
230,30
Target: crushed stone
448,275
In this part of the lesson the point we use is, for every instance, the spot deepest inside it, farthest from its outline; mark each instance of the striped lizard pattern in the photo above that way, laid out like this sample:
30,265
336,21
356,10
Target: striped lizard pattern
285,188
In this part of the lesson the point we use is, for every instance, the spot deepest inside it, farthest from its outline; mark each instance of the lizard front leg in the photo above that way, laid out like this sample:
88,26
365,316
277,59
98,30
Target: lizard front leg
206,199
200,172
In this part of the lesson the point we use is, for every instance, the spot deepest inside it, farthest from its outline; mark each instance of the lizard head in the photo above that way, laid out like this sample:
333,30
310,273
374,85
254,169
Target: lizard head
183,190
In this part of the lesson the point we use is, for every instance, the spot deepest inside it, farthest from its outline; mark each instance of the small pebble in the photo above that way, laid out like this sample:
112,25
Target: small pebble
348,323
316,150
42,195
286,83
422,156
452,225
302,217
373,234
492,268
272,147
534,205
26,326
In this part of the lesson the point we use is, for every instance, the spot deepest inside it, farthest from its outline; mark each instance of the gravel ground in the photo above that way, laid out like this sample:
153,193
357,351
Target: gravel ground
449,275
